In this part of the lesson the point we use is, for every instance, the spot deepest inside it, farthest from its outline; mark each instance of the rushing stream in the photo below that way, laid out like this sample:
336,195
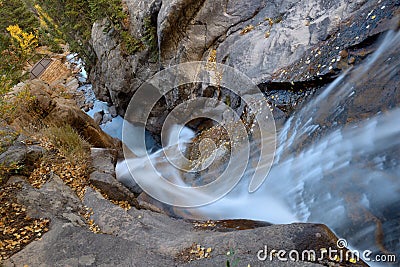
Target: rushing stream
111,125
345,175
327,169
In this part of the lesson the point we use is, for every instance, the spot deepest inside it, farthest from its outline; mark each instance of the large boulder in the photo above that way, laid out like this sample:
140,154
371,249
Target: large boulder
45,106
19,158
54,200
144,238
103,176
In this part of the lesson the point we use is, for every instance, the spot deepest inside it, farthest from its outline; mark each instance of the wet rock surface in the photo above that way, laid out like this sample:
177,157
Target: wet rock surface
347,46
290,49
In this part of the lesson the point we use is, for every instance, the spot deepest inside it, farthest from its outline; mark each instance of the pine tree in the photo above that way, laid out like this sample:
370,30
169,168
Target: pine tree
14,12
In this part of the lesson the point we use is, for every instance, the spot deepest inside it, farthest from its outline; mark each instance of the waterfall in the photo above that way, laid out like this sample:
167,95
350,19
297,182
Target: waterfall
330,167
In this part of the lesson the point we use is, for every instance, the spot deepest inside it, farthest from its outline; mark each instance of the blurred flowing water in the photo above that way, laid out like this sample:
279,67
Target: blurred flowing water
113,126
336,163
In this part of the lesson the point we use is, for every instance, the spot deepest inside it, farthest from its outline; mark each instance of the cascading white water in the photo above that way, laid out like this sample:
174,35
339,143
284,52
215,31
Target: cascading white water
345,175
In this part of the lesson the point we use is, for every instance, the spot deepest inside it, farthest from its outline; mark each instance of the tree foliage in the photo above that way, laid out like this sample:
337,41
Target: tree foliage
16,12
26,41
18,38
52,22
68,20
74,19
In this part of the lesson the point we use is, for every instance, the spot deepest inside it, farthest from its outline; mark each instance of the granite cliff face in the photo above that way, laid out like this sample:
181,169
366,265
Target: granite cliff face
271,42
116,76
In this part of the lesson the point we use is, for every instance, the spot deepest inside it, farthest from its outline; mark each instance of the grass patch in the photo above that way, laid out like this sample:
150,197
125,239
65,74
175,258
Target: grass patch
68,156
68,142
22,102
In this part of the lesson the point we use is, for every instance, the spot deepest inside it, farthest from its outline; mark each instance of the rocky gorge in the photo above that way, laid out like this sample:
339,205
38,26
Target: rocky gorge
294,52
91,219
275,44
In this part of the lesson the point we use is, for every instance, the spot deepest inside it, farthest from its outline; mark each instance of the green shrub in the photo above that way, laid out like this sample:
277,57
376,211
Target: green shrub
150,37
111,9
130,44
